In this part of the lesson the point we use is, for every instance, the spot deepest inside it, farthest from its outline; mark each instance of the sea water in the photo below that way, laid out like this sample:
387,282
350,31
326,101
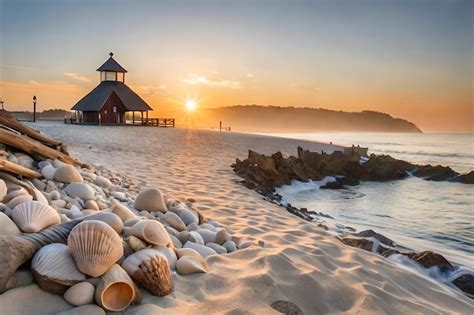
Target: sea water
419,214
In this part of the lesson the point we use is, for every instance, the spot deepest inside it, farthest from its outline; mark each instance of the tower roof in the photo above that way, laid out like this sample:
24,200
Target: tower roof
111,65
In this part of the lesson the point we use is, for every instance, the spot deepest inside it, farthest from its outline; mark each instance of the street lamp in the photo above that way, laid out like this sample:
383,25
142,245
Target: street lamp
34,108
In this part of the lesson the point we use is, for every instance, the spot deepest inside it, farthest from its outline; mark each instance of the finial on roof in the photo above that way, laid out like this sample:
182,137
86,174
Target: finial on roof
111,54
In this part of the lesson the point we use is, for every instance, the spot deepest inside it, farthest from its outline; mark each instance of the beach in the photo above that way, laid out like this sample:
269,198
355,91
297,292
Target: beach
289,260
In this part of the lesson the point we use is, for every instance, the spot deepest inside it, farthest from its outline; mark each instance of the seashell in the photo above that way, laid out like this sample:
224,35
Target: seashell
88,212
91,204
95,246
195,237
176,242
174,221
115,290
150,199
152,232
38,195
80,190
207,235
3,190
188,252
80,294
54,269
188,217
15,193
102,182
201,249
58,163
111,219
189,264
64,218
48,172
135,243
34,216
7,226
222,236
123,212
192,227
170,255
150,269
218,248
230,246
67,174
19,200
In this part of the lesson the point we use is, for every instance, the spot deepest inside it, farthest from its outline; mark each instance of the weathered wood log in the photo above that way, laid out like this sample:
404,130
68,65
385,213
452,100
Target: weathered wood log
8,120
17,169
32,147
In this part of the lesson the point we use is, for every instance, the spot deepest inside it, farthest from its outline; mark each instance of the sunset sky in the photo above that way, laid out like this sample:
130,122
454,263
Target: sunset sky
412,59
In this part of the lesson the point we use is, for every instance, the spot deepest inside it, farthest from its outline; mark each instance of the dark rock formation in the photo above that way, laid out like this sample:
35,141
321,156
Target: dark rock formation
466,284
429,259
467,178
381,238
359,242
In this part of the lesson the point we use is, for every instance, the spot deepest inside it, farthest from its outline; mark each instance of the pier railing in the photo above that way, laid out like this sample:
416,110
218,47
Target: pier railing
155,122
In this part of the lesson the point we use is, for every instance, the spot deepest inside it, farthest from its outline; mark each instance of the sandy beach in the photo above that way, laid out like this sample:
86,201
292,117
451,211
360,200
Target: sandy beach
292,260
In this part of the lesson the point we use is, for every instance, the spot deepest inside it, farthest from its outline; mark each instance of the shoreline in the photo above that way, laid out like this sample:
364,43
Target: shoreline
299,262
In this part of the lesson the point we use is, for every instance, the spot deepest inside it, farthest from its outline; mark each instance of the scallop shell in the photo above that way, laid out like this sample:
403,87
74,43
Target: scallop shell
151,199
34,216
111,219
116,290
67,174
152,232
54,269
190,264
95,246
151,270
169,253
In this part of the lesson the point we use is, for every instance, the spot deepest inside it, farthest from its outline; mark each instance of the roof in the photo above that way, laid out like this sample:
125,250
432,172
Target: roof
99,95
111,65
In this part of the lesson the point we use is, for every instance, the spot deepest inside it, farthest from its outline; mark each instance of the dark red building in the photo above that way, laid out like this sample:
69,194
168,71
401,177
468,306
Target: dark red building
111,99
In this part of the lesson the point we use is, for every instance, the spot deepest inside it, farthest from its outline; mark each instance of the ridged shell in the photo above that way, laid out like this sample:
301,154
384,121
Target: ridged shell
152,232
151,270
54,268
190,264
95,247
150,199
111,219
115,290
34,216
169,253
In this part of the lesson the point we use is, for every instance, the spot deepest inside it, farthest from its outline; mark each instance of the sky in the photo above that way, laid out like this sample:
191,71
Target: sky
412,59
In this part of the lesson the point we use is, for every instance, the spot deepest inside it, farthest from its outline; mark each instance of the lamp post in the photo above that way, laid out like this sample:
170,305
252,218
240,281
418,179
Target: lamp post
34,108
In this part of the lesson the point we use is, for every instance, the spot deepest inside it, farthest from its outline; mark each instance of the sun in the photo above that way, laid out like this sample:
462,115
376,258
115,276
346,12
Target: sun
190,105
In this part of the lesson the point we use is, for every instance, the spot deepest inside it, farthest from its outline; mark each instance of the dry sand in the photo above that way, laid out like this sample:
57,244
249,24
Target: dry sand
299,261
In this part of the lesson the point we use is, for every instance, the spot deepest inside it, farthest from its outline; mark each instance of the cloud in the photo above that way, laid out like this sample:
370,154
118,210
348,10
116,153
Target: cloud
150,89
76,77
194,79
304,87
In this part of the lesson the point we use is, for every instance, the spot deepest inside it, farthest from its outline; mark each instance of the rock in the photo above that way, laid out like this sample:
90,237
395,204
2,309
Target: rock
435,173
195,237
246,244
183,236
146,309
150,199
192,227
222,236
90,309
3,190
119,195
230,246
91,204
67,174
123,212
59,203
188,217
176,242
80,190
381,238
333,185
201,249
429,259
48,172
359,242
103,182
190,264
465,283
218,248
80,294
173,220
286,307
467,178
207,235
7,226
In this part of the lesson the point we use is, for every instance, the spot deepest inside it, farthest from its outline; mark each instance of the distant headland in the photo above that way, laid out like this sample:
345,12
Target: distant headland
305,119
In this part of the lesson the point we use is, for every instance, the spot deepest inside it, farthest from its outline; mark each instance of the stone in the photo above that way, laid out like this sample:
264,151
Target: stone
91,204
67,174
192,227
381,238
3,189
103,182
195,237
218,248
80,190
467,178
222,236
48,172
150,199
230,246
429,259
286,307
90,309
207,235
201,249
465,283
7,226
359,242
80,294
173,220
188,217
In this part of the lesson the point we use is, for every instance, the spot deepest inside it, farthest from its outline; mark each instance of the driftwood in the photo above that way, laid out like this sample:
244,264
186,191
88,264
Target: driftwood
9,121
17,169
33,147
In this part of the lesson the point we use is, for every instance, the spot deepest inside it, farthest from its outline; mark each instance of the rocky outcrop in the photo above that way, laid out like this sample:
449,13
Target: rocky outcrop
430,259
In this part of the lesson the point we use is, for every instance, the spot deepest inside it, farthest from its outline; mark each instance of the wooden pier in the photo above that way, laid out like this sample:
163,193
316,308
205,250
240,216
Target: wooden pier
144,121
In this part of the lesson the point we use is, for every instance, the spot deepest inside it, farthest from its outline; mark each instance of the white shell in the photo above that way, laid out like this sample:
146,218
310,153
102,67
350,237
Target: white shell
67,174
34,216
80,190
54,262
7,226
150,199
152,232
201,249
95,247
189,264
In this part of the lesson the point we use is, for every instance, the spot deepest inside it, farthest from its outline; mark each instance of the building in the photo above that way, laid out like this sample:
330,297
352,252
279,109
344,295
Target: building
108,102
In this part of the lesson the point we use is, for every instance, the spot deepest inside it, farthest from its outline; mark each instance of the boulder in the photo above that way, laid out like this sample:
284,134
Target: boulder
429,259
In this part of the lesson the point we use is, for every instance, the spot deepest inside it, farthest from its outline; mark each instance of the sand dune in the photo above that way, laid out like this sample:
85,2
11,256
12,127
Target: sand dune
291,260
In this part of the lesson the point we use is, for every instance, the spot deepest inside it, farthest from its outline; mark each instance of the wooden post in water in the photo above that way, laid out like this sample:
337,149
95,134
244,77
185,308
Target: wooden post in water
220,125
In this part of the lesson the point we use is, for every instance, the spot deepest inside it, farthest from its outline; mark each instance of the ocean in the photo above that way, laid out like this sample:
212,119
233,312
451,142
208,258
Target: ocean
415,213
